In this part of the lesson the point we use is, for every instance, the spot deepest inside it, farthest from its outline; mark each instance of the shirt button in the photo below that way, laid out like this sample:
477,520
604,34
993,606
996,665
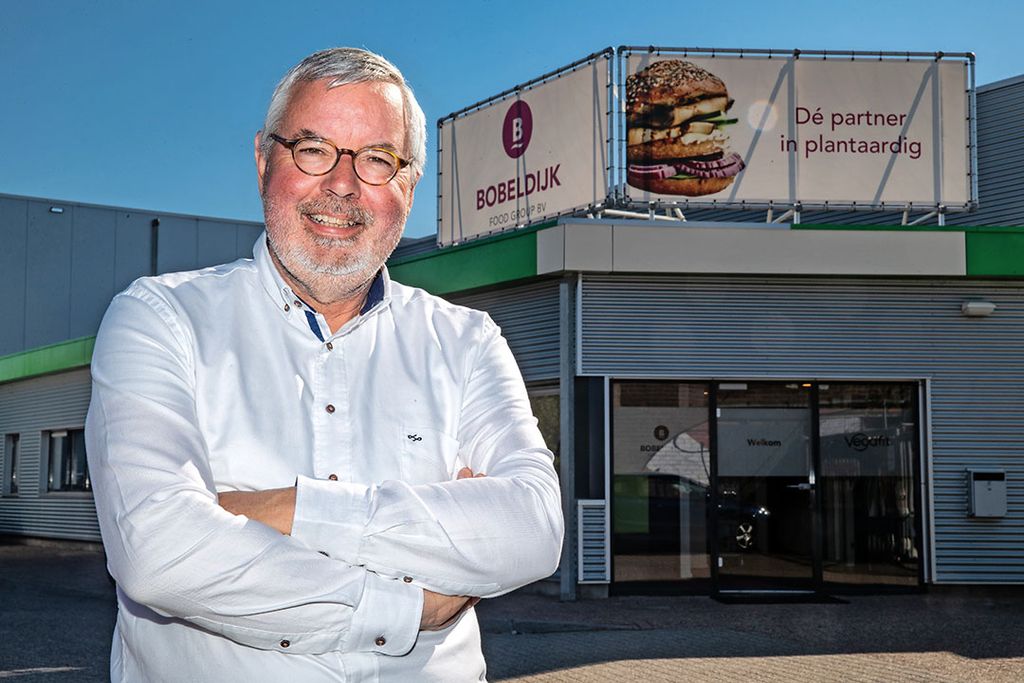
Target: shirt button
332,477
285,643
330,408
407,579
380,641
287,307
298,304
330,346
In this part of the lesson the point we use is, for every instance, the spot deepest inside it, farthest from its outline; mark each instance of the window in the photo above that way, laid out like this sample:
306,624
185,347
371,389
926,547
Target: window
9,484
661,469
68,470
546,404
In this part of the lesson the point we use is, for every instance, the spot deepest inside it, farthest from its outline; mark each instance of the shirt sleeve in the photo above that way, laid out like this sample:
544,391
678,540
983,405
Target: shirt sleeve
480,537
169,545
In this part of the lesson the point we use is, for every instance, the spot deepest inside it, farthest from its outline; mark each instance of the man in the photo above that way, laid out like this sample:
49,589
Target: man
283,449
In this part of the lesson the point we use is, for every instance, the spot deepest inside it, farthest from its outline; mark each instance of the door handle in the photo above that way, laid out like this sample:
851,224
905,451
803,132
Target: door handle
801,487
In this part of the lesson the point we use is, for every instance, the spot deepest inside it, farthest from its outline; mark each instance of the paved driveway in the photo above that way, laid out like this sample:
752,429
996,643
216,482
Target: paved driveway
57,613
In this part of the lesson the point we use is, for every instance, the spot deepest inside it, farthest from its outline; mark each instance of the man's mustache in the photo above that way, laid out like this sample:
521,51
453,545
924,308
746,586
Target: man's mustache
340,208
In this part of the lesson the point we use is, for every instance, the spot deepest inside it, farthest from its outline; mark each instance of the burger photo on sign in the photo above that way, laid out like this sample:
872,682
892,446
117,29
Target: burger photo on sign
675,130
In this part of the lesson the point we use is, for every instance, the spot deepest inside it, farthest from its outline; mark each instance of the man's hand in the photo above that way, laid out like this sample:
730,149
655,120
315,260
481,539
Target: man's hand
273,507
441,611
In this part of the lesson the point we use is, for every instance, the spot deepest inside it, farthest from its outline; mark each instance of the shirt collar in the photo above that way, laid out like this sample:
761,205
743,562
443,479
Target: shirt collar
378,297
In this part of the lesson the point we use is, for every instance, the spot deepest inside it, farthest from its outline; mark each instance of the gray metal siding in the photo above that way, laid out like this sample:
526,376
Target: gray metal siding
528,316
216,243
1000,153
93,251
14,238
133,256
59,271
176,246
246,238
716,327
30,408
48,277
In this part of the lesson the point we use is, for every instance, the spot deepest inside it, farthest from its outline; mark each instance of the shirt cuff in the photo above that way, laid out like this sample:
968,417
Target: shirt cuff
387,619
331,516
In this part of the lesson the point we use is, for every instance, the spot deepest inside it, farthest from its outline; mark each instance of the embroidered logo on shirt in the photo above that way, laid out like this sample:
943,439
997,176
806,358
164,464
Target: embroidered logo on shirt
414,437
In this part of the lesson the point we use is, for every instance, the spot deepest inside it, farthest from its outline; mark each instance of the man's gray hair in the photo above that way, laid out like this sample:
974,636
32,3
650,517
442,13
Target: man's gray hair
344,66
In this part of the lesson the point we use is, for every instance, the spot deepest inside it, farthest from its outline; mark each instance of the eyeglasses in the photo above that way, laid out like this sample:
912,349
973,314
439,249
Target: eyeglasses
315,156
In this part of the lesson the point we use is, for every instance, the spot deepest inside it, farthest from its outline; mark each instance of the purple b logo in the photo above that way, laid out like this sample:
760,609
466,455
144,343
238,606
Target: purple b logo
518,127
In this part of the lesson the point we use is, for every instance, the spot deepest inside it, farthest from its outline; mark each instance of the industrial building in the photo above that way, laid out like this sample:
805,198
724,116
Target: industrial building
735,404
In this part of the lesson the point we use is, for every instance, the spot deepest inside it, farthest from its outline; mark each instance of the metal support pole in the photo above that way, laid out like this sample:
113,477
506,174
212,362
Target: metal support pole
782,218
569,565
619,213
927,217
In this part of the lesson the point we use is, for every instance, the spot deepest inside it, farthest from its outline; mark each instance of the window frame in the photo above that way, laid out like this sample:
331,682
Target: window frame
546,390
45,457
9,473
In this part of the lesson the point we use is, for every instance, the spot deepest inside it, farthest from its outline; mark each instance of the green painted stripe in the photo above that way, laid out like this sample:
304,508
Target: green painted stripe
995,253
76,353
490,261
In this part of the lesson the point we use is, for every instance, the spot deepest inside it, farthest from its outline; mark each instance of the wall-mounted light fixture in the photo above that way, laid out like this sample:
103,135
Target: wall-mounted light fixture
56,209
977,309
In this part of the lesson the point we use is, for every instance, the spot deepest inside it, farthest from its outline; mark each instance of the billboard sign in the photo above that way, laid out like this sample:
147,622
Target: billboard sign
537,151
741,128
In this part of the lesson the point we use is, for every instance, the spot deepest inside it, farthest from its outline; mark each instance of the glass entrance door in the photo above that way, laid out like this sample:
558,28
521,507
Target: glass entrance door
868,484
766,486
764,502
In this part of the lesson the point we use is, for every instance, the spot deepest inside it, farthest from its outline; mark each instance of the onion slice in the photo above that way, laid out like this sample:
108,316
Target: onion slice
652,172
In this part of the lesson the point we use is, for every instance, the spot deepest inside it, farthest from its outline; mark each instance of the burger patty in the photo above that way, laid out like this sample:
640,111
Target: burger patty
645,115
674,148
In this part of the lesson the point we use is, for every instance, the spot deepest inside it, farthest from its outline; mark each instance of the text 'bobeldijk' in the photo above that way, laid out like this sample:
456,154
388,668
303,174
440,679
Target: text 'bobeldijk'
514,188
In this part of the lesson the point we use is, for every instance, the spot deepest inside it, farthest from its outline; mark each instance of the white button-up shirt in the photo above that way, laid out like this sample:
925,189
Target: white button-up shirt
222,379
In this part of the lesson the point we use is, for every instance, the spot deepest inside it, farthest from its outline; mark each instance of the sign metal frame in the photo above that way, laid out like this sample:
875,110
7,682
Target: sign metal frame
609,145
621,195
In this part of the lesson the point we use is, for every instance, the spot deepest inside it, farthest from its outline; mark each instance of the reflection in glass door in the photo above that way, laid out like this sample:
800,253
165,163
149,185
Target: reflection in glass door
764,487
869,447
661,473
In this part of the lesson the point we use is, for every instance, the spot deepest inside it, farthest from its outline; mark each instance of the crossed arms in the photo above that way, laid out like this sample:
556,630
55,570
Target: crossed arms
172,548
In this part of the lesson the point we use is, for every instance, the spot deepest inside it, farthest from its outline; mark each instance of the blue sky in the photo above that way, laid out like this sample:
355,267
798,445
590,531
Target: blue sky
153,105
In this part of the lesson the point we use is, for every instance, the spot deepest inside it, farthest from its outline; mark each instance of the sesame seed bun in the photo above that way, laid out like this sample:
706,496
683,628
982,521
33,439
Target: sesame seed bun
669,83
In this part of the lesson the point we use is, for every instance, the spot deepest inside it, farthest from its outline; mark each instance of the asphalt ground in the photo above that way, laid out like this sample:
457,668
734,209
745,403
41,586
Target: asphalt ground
57,613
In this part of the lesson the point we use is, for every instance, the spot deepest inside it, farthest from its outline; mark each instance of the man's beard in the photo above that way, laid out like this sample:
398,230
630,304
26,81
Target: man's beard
345,269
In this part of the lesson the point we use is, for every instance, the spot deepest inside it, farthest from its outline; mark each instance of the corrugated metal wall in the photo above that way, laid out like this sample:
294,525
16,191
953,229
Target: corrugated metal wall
28,409
1000,155
528,316
712,327
60,265
61,262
